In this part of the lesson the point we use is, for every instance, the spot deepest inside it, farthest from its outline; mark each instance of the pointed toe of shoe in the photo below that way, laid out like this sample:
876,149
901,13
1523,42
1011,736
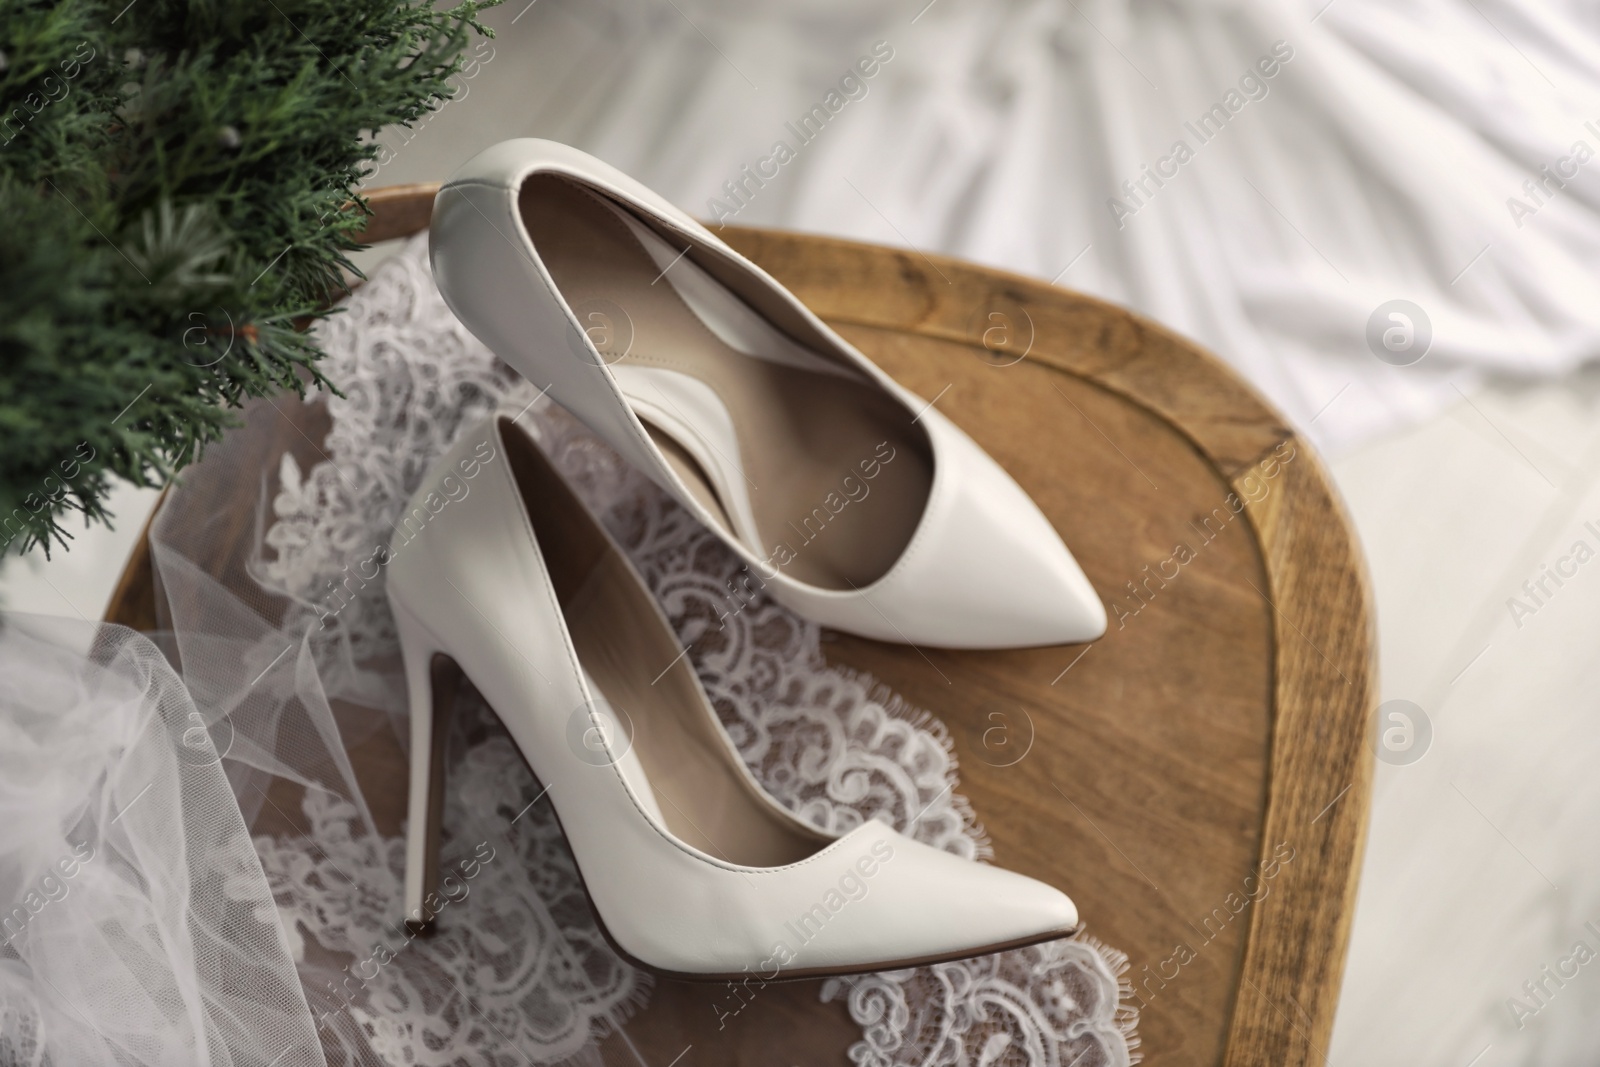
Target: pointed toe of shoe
1049,909
1025,909
985,569
930,905
1039,593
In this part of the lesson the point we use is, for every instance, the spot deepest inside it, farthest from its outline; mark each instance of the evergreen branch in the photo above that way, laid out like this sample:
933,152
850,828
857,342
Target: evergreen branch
179,183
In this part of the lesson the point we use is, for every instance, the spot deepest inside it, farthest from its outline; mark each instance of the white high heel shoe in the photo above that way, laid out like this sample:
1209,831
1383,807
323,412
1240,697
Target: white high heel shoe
693,870
858,504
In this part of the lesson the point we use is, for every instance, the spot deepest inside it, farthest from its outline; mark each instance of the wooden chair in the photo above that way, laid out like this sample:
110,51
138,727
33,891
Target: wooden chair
1197,779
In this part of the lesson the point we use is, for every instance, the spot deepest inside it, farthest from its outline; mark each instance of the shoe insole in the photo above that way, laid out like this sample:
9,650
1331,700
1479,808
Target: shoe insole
833,472
667,748
666,745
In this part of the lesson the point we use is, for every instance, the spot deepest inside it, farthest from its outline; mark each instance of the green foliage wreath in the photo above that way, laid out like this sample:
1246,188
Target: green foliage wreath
177,196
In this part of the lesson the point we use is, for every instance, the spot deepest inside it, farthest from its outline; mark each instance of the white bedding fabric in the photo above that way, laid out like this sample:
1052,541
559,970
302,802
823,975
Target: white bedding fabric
1377,165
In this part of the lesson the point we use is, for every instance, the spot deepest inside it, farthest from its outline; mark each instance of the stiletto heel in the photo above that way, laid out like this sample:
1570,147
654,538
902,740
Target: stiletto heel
431,681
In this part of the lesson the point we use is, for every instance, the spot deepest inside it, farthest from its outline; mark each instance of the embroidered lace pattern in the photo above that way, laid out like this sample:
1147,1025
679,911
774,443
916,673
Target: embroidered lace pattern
527,975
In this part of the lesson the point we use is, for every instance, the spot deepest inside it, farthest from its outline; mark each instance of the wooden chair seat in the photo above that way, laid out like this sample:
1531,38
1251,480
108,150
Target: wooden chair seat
1197,779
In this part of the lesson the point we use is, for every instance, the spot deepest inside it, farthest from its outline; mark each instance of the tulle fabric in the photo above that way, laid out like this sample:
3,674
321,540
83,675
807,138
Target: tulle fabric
292,943
141,929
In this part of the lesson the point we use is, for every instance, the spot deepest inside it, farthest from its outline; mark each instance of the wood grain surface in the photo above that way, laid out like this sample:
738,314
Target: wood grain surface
1197,779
